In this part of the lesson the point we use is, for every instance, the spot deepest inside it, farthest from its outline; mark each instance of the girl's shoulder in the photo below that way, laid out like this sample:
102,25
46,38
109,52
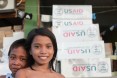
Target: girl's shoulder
58,75
21,73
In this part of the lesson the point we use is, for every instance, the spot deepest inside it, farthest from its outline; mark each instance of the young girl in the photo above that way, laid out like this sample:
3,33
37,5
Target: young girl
17,57
42,46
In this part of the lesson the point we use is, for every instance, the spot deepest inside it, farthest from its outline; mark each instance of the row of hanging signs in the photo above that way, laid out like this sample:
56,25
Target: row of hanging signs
80,49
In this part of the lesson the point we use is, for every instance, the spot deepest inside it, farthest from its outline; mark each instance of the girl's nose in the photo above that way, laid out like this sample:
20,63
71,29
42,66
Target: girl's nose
43,50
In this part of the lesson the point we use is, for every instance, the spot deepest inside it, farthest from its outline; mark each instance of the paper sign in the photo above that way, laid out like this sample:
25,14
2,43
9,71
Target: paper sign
86,67
76,50
82,33
60,22
72,11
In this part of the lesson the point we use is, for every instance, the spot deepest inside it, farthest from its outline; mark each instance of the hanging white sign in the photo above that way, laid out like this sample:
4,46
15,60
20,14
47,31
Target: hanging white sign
98,67
76,50
79,33
66,22
72,11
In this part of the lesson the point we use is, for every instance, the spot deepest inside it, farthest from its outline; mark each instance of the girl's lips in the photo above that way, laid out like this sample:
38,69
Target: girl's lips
43,57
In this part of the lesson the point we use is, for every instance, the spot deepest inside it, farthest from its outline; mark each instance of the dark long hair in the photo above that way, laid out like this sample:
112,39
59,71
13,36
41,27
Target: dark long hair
43,32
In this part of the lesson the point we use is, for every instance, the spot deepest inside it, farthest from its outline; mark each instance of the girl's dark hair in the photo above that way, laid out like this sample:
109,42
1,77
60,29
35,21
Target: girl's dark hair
43,32
16,44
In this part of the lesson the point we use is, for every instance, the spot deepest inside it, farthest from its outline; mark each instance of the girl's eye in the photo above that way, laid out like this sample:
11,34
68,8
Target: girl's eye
12,57
23,59
49,46
36,46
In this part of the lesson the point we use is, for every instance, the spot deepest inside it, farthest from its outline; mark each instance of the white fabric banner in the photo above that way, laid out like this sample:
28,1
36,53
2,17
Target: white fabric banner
76,50
72,11
73,23
98,67
79,33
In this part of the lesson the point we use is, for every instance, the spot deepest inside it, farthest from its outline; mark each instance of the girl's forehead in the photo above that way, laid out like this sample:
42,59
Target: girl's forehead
41,38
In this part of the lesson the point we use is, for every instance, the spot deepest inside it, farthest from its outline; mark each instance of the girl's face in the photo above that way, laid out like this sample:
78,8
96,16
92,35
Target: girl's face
17,59
42,49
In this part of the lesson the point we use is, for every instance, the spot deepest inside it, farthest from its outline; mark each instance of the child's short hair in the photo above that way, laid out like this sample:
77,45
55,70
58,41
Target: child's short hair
16,44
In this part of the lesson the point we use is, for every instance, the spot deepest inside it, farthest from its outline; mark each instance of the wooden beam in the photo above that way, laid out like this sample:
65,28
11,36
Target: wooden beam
8,15
31,6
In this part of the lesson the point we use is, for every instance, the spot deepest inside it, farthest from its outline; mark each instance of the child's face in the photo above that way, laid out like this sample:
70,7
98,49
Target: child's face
17,59
42,49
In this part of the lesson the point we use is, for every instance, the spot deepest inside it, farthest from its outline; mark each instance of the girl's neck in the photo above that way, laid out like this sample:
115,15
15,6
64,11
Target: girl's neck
43,68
